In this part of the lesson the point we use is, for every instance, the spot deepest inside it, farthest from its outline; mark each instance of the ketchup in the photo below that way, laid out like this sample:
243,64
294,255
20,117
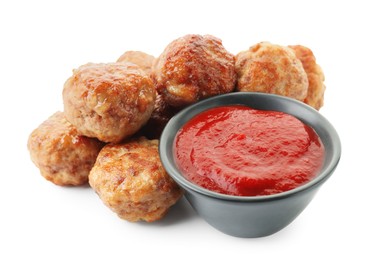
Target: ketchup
242,151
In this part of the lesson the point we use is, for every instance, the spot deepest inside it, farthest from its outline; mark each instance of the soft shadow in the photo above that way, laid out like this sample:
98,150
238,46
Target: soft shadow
180,212
85,186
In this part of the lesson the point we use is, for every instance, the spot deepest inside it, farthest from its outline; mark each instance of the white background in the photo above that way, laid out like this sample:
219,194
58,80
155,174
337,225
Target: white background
42,41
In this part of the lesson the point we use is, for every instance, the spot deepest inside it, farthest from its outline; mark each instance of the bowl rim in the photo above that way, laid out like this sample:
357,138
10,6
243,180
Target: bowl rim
168,136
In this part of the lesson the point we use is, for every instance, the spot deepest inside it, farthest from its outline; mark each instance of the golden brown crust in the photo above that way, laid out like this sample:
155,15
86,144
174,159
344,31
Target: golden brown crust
316,87
273,69
62,155
130,180
193,67
108,101
143,60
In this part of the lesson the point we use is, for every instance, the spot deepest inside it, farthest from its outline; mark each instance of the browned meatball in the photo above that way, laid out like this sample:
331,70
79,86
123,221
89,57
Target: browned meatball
108,101
130,180
271,68
161,114
143,60
315,76
62,155
193,67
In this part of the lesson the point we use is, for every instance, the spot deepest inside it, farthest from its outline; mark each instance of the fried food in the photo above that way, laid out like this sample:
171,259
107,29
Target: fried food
143,60
161,115
316,87
108,101
130,180
271,68
193,67
62,155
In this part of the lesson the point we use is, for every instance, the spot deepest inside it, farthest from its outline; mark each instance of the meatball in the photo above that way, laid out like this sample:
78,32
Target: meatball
62,155
271,68
143,60
161,114
193,67
108,101
130,180
315,76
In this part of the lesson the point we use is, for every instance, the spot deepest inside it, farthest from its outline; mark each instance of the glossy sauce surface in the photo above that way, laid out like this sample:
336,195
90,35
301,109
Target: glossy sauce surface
241,151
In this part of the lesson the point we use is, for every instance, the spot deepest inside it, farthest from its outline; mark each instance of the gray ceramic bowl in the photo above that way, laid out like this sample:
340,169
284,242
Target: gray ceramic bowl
261,215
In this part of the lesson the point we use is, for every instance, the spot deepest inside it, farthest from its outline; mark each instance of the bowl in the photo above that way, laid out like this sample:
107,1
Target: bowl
247,216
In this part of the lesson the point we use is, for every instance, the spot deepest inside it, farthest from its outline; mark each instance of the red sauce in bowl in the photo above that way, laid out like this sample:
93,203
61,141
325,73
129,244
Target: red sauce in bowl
242,151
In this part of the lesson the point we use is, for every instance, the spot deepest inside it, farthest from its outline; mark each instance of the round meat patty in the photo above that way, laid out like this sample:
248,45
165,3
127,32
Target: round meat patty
315,76
130,180
62,155
192,68
108,101
143,60
271,68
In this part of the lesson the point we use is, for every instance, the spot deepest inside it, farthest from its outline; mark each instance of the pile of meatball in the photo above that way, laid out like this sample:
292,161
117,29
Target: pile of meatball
114,113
